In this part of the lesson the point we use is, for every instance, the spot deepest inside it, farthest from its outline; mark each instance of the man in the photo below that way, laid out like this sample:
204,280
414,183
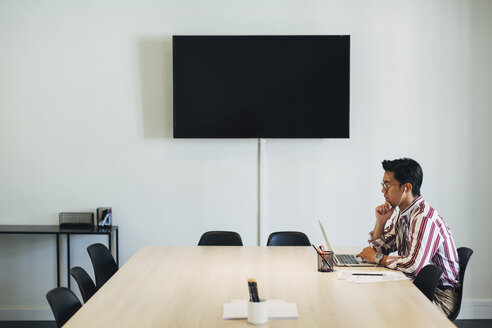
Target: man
418,234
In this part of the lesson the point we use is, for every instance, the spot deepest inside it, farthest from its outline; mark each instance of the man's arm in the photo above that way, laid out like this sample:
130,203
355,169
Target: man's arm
378,230
383,214
369,255
386,238
424,241
384,244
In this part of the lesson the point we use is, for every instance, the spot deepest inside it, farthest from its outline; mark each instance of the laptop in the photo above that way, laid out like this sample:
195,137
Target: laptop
344,259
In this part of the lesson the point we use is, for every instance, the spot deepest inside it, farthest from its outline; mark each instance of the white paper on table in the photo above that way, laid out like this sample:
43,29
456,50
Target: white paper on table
277,309
386,276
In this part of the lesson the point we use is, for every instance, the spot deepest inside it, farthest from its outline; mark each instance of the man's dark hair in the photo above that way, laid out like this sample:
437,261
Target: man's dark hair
406,170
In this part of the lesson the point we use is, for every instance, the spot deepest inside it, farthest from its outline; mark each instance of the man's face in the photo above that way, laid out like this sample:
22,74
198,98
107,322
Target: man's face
391,189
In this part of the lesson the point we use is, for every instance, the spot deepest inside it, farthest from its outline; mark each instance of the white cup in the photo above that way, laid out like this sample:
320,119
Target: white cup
258,312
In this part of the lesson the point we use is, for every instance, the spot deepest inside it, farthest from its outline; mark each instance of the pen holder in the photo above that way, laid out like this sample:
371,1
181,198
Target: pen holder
325,262
258,312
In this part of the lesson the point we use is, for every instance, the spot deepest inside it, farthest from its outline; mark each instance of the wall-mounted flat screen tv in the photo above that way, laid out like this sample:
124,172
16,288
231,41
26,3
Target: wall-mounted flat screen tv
288,86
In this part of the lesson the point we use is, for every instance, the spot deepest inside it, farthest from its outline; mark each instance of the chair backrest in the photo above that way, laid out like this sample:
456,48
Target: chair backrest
288,238
427,280
220,238
63,303
86,285
103,262
464,254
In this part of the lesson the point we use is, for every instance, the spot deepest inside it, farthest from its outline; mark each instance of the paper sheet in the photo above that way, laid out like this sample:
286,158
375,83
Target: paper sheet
382,275
277,309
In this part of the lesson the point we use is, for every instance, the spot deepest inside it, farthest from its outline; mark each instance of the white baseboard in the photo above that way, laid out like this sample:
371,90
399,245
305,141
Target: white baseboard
470,309
26,314
476,309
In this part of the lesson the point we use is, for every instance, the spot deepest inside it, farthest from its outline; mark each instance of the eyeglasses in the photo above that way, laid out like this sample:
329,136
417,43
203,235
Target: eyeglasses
386,185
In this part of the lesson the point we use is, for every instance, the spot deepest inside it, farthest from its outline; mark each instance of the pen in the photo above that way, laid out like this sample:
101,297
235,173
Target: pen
322,250
253,290
367,274
250,288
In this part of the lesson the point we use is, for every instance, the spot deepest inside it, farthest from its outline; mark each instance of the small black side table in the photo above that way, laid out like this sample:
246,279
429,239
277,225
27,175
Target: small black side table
57,231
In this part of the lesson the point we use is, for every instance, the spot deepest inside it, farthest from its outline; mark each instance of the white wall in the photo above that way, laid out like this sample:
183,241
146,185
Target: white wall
86,121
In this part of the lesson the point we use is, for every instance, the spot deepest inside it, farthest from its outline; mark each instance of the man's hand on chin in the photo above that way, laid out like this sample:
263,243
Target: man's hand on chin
368,254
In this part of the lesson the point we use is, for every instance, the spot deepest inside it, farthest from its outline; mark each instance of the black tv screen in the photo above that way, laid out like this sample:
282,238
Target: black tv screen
261,86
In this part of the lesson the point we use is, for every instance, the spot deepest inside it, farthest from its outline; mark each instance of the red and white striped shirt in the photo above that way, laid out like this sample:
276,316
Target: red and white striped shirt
421,237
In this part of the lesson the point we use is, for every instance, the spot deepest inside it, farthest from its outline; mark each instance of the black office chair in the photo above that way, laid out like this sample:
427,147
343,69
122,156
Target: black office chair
86,285
103,263
220,238
427,280
464,254
63,303
288,238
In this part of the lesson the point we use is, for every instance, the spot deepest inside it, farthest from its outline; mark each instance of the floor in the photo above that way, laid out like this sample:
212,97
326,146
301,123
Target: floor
27,324
51,324
472,323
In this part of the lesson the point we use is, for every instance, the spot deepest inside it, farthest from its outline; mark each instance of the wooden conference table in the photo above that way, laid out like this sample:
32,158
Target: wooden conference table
173,286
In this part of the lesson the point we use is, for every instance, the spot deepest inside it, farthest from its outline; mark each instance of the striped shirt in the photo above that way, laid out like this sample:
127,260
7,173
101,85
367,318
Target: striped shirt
420,237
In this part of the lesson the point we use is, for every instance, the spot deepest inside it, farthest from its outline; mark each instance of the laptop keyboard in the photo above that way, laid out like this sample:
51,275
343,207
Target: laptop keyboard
346,259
